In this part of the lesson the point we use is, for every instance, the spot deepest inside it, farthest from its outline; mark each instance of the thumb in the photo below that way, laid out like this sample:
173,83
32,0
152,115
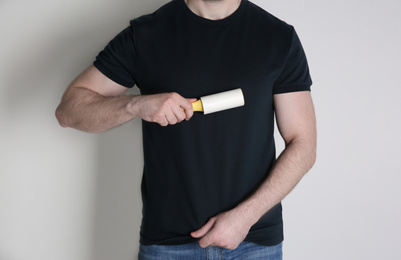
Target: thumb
192,100
203,230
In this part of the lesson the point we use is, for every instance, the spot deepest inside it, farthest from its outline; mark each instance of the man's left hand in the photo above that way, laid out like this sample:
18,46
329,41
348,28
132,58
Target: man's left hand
227,230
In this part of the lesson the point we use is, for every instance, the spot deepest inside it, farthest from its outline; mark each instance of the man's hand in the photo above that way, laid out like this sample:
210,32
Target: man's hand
164,109
227,230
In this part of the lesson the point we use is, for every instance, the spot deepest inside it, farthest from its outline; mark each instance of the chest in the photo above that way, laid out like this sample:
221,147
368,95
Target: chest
200,62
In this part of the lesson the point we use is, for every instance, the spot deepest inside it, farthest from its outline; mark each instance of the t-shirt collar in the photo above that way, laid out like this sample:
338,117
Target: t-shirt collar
229,19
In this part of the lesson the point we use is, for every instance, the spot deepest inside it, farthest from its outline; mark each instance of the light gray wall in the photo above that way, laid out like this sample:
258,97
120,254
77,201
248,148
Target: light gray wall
68,195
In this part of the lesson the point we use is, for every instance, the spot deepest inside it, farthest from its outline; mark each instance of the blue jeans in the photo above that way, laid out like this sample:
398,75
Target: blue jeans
192,251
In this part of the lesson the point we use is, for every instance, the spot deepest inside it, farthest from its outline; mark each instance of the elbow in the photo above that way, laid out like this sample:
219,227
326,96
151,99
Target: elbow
61,117
66,119
306,150
312,155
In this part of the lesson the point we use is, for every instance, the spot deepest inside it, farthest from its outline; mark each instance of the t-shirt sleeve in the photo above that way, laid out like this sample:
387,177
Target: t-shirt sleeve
117,60
295,73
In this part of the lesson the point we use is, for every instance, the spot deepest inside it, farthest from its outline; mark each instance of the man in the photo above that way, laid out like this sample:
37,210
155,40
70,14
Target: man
211,183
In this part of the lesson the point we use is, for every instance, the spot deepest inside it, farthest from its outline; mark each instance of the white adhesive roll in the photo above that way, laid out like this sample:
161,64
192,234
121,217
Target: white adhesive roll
222,101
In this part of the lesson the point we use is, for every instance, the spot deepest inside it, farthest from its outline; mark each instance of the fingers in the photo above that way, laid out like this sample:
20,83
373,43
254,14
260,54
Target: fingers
186,105
179,110
206,241
165,109
225,230
203,230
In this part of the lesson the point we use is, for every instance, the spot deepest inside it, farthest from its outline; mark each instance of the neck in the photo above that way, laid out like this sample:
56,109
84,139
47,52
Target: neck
213,9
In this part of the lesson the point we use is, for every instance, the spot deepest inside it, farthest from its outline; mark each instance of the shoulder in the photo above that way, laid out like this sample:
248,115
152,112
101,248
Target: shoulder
266,20
157,18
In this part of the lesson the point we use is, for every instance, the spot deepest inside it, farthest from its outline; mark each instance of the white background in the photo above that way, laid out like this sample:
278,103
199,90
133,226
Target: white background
68,195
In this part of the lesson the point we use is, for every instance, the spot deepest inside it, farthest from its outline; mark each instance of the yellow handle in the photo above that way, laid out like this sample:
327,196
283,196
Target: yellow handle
197,105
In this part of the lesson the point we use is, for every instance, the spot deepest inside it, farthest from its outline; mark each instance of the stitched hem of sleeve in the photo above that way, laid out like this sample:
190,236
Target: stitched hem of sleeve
288,89
111,75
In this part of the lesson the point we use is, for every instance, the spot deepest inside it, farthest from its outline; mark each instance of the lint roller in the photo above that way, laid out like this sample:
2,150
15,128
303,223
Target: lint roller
220,101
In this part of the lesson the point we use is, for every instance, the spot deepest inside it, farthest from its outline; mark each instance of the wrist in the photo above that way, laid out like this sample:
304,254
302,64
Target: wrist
249,211
132,105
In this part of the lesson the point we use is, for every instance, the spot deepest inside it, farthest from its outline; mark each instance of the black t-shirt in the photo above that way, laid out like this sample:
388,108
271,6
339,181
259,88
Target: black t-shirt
209,164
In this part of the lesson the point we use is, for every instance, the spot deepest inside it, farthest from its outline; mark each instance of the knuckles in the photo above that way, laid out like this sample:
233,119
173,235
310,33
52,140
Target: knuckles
171,98
181,117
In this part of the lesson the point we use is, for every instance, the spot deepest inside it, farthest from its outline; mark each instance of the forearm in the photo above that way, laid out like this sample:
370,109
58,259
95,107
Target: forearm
293,163
89,111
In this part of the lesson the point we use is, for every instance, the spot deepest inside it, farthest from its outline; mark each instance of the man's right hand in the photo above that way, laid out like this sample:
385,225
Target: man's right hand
163,109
